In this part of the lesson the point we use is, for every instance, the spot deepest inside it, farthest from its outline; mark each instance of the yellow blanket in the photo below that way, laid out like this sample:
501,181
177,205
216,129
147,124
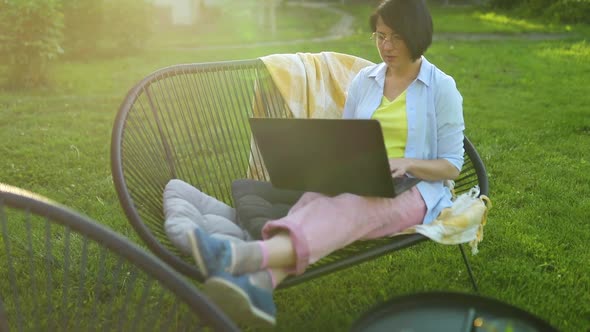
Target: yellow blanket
315,86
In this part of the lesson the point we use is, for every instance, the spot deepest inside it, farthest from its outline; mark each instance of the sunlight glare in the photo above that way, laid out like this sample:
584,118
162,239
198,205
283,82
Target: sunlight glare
579,51
499,19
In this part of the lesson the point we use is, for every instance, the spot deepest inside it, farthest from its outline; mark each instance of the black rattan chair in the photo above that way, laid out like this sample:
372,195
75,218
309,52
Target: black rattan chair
190,122
63,272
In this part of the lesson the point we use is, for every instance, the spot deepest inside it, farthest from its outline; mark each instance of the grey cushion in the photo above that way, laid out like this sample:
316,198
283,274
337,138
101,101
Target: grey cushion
257,202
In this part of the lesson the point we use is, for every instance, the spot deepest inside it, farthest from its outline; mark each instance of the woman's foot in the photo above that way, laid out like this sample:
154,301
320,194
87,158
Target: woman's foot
213,256
242,299
216,256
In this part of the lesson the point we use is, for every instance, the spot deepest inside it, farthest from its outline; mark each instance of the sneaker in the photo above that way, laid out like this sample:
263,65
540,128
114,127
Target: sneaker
212,255
241,300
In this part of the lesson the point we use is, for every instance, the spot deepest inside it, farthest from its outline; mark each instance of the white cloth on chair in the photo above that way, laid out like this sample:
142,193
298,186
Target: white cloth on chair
186,208
463,222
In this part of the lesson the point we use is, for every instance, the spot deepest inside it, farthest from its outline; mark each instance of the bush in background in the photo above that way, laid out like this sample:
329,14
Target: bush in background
571,11
562,11
82,20
30,37
95,28
126,25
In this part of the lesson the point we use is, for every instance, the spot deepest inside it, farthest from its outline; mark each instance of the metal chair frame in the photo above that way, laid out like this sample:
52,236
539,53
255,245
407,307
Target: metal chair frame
189,122
80,235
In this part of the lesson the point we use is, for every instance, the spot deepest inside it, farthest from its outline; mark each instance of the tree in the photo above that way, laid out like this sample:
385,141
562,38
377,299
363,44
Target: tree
82,19
31,32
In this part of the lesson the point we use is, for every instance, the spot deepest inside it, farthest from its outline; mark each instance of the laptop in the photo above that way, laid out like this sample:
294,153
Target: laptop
329,156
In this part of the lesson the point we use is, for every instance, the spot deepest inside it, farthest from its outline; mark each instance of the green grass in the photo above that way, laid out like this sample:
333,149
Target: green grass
473,20
525,105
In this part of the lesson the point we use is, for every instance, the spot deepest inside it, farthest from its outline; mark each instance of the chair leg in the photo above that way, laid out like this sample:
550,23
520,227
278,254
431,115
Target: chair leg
473,283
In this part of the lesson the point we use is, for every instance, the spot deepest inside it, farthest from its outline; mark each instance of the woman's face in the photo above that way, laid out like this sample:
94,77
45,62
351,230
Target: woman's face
392,48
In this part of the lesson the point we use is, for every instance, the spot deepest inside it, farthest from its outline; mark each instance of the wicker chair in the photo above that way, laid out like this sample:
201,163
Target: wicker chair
63,272
190,122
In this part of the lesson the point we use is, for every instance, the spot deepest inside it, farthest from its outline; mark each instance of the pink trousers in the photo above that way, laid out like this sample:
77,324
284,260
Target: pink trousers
319,224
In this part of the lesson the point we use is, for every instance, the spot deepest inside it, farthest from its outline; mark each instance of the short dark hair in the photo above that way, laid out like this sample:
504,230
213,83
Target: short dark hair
408,18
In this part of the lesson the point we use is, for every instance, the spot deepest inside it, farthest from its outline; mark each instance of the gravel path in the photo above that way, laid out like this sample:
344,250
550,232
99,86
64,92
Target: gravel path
344,28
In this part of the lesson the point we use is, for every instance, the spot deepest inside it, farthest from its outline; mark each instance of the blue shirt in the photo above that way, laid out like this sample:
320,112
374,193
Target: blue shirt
434,109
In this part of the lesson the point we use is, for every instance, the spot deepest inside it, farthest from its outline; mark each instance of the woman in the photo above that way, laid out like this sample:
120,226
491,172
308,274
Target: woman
420,111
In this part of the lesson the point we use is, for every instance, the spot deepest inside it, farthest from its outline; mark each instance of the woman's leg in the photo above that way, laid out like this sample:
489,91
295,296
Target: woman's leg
277,276
279,251
305,199
320,227
326,224
243,275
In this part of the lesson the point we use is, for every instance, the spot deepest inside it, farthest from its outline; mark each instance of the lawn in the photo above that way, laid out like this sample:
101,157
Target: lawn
525,106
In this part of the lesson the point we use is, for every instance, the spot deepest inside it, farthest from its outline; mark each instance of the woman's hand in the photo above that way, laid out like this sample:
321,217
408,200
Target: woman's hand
399,166
429,170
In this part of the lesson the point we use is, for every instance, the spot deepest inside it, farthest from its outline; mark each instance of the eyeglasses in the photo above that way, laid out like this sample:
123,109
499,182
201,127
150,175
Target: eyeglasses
379,37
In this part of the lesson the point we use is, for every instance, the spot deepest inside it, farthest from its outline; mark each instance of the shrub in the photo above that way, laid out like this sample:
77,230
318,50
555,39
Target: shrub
30,37
82,20
537,7
505,4
563,11
126,25
530,6
571,11
98,27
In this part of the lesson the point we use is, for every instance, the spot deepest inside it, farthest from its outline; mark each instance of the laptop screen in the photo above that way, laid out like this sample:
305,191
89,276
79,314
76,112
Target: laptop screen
329,156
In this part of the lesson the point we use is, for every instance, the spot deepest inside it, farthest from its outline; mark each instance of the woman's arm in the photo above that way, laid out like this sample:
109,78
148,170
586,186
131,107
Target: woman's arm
429,170
447,160
448,105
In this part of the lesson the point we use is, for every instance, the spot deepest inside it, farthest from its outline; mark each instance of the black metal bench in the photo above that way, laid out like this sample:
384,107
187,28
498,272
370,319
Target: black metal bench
189,122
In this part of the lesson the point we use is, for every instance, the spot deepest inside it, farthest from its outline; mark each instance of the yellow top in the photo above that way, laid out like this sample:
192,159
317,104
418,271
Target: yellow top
394,123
